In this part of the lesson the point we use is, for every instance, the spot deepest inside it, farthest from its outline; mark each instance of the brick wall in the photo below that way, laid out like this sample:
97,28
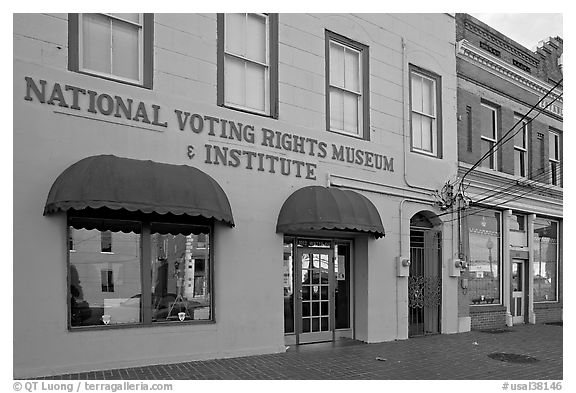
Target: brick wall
468,140
488,317
548,313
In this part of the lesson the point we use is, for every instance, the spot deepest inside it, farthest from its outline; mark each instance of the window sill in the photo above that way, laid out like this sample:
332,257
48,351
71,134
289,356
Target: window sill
246,110
484,308
138,325
547,304
355,136
114,79
424,153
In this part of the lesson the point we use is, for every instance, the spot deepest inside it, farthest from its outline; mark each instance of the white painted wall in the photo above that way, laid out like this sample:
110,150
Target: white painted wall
248,258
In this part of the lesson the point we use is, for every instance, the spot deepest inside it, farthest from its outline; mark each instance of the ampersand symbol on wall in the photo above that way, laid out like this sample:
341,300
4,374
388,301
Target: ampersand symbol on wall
191,153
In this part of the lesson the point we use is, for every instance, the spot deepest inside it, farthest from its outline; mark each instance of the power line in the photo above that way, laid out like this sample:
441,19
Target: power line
491,207
531,176
502,140
534,182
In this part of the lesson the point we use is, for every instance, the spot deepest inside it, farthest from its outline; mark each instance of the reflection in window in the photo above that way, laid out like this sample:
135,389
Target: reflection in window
104,286
180,278
484,255
545,265
288,280
106,241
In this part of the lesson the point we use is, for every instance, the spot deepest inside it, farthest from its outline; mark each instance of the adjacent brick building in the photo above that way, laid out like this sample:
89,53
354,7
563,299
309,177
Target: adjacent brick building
511,234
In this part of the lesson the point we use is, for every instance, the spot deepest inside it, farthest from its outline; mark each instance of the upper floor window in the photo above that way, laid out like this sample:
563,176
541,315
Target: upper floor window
489,135
424,99
247,62
347,86
521,149
112,46
554,153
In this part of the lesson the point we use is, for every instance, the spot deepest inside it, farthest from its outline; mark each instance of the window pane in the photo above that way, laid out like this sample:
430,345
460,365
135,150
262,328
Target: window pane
518,162
336,65
488,162
131,17
555,173
235,31
520,137
545,259
428,96
352,70
350,113
255,86
180,272
256,38
554,146
234,81
125,50
484,267
417,93
487,121
336,109
96,43
104,287
427,133
416,131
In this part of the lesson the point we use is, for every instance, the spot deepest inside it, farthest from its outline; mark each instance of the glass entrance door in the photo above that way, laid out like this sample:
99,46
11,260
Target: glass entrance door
518,298
315,295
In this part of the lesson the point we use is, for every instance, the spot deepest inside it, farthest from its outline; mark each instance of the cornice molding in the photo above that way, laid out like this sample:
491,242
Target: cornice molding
545,199
504,70
501,43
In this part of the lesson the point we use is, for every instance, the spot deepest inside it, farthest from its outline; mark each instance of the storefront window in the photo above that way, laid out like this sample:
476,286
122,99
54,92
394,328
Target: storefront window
484,266
106,284
545,265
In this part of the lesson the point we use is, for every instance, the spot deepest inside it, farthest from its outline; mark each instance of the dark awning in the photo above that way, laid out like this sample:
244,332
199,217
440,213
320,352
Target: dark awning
134,185
316,207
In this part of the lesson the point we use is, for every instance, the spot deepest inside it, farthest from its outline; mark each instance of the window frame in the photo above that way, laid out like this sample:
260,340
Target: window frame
364,83
524,152
500,254
271,82
436,139
554,162
145,220
145,58
495,109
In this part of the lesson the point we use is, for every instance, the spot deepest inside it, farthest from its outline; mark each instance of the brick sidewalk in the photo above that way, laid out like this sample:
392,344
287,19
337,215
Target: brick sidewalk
440,357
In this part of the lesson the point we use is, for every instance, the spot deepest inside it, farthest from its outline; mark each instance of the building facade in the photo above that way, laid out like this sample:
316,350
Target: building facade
195,186
511,235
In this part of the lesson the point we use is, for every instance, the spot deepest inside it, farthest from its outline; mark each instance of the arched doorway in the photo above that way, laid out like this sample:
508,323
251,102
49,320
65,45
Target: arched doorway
425,279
